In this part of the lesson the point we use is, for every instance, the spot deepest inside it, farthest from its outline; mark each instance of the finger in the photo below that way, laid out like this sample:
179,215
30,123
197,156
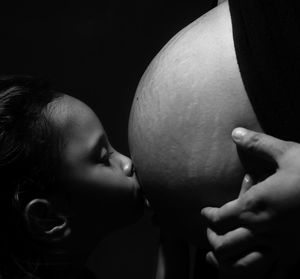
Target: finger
248,210
246,184
261,144
224,218
256,262
234,243
211,259
231,243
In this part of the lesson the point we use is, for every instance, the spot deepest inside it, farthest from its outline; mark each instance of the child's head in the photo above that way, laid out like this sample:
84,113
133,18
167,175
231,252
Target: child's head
62,183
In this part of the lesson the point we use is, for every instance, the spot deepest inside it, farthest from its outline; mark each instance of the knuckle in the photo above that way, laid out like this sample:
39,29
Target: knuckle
254,211
250,203
218,247
253,140
215,242
215,219
291,145
293,148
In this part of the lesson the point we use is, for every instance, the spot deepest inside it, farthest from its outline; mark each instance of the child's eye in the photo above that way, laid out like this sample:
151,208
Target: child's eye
105,155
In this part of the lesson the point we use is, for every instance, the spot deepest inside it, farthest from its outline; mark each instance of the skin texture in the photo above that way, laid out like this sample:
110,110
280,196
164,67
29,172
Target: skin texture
98,187
186,105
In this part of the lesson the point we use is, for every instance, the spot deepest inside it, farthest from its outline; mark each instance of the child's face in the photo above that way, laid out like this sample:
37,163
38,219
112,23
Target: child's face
101,185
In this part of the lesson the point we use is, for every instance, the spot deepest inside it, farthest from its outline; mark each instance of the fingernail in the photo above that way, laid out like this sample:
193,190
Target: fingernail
238,133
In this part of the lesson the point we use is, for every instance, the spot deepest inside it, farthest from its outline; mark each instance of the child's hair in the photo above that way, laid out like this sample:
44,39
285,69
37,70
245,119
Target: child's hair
29,149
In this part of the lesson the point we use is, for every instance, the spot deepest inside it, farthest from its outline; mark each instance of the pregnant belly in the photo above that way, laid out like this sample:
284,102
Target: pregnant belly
186,105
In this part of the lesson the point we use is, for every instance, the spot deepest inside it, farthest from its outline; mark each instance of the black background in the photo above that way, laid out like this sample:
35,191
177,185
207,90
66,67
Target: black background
97,51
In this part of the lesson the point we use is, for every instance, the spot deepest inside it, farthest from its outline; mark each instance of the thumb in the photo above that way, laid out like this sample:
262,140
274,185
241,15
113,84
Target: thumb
261,144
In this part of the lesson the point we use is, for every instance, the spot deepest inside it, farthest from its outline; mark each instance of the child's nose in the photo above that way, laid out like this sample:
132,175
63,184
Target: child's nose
126,165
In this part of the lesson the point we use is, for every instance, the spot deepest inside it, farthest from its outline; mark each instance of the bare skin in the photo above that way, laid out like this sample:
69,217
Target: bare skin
186,105
258,233
97,190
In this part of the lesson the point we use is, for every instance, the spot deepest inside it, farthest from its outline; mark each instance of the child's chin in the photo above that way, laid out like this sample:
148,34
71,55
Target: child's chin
133,217
139,206
135,210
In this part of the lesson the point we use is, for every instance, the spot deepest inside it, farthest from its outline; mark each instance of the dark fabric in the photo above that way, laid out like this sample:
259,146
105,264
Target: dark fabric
266,38
86,274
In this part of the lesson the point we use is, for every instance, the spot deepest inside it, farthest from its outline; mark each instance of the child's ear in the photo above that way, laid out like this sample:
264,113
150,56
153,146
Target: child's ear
44,222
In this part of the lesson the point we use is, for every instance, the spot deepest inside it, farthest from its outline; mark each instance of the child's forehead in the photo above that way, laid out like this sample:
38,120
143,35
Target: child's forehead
72,116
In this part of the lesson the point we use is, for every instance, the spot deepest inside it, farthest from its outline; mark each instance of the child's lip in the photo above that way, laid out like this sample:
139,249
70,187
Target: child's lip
139,198
139,193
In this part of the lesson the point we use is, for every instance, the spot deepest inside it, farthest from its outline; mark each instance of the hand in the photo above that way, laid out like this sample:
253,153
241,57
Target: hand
235,252
261,227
